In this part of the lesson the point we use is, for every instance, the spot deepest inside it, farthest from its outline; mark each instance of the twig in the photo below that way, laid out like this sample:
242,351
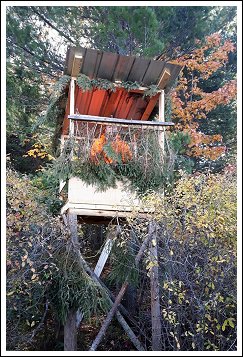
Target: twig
40,323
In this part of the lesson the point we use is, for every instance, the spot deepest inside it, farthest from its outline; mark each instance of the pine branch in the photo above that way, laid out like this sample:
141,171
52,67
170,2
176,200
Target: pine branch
34,55
51,25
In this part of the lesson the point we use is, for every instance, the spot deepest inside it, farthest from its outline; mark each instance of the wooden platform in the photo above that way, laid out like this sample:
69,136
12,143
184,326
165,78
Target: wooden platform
95,206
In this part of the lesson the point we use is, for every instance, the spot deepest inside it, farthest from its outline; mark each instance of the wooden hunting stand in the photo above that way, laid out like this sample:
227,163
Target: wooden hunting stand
125,108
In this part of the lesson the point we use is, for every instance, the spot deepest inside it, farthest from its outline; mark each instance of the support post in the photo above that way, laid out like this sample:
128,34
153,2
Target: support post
71,123
72,104
62,182
154,285
70,330
103,257
162,118
83,265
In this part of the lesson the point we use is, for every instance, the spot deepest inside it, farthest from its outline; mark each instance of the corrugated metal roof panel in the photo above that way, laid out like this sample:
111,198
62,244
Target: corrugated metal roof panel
119,104
138,69
89,63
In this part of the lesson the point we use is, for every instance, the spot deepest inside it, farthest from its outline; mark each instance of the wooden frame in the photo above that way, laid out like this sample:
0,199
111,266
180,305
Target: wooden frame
78,205
72,105
97,119
162,118
77,63
164,79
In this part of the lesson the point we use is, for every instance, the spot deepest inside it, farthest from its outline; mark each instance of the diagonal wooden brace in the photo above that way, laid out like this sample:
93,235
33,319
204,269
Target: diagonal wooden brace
119,297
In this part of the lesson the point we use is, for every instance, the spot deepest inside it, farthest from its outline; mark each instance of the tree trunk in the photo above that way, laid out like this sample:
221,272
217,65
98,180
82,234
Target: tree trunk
70,332
155,297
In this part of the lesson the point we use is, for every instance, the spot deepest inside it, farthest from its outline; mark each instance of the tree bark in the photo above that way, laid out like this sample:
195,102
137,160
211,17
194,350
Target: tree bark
70,332
155,297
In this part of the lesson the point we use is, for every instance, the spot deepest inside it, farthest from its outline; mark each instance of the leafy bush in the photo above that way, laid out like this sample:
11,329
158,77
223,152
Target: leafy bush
196,240
197,258
43,280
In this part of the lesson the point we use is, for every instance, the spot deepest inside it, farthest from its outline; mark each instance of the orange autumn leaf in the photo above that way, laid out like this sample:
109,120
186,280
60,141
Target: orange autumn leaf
190,104
97,148
121,147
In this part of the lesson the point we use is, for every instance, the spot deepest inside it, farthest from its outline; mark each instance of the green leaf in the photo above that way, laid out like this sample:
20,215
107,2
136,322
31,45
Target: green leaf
224,325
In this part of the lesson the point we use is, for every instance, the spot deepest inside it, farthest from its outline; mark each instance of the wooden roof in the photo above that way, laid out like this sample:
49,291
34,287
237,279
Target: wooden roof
114,67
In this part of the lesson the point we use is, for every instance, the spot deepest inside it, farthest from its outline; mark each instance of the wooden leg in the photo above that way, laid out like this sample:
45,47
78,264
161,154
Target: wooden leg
70,330
130,297
101,263
155,297
118,300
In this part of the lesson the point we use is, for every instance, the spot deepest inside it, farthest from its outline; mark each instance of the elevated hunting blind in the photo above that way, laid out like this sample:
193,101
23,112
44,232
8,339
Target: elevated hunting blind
115,148
112,150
